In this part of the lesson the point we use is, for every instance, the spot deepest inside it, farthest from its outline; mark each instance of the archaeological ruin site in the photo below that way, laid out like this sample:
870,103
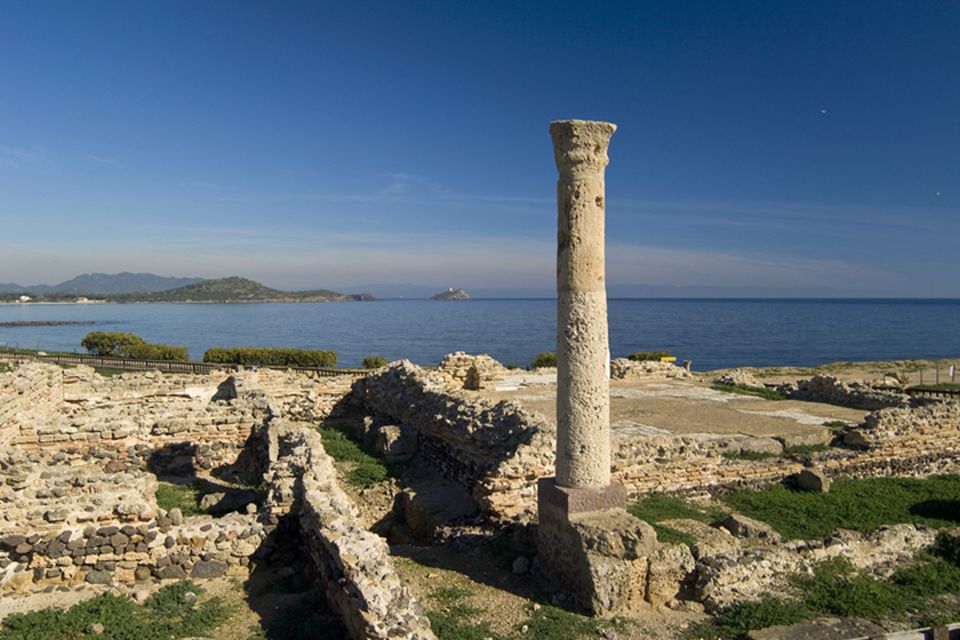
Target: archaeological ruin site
499,480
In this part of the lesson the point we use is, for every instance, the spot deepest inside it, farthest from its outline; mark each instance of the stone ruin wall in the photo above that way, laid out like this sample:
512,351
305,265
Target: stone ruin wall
353,563
77,505
497,451
466,371
27,389
831,390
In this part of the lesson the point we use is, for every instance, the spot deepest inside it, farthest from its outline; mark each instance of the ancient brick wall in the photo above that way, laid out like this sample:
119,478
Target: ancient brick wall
497,451
28,389
353,563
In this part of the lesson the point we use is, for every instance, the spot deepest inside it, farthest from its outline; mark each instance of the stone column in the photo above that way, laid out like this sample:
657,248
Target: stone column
586,540
583,393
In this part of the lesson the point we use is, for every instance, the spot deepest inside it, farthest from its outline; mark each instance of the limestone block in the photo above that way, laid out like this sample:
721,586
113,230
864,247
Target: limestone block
396,443
812,480
669,568
743,527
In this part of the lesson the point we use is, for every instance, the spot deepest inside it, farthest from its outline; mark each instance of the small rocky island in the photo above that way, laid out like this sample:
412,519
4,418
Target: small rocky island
451,294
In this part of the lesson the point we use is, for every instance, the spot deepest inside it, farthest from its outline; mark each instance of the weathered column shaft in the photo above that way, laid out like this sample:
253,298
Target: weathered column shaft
583,393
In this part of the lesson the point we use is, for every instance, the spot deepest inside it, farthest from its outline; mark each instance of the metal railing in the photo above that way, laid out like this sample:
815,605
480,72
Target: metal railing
164,366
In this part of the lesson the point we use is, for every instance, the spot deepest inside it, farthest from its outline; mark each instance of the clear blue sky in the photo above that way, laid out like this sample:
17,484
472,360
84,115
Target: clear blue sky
809,147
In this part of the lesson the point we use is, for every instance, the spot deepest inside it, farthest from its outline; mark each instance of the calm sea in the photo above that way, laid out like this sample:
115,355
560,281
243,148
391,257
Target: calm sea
711,333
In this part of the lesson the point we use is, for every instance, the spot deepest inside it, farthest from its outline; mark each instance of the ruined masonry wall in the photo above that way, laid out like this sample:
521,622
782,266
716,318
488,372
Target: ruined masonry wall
129,553
497,451
353,563
832,390
471,372
27,389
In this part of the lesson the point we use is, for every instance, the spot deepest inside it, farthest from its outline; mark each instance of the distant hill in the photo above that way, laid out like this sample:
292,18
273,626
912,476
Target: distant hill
234,289
451,294
105,283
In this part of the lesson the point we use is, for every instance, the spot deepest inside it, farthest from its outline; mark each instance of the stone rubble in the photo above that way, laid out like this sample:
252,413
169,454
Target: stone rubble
472,372
626,369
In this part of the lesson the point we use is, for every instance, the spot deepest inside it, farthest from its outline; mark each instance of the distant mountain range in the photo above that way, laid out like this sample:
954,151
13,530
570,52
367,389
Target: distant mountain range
234,289
146,287
102,283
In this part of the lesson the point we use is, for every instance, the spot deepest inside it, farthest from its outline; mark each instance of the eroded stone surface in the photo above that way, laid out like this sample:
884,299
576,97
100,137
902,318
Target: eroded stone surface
583,394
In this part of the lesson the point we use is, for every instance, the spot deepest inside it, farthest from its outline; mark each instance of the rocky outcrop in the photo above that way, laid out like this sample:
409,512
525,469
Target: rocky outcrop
472,372
626,369
857,395
451,294
739,377
495,450
751,573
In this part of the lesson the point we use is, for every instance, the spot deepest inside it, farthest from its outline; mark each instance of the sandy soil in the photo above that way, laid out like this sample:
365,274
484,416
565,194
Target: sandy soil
691,407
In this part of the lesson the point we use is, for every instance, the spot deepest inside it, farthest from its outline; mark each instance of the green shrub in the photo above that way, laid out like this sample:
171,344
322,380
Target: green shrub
158,352
130,345
374,362
641,356
545,359
104,343
251,356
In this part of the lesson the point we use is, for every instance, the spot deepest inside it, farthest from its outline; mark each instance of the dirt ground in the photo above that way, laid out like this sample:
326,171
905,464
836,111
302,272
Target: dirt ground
639,408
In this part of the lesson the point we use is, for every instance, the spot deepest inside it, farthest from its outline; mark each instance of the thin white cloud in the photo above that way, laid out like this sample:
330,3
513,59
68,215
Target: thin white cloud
113,162
18,156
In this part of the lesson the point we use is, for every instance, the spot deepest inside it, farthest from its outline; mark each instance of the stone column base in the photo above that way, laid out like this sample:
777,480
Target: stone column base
589,545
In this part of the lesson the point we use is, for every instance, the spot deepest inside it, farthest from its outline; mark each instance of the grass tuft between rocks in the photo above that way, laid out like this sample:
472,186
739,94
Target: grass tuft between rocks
658,507
924,593
168,614
185,497
454,616
364,468
745,390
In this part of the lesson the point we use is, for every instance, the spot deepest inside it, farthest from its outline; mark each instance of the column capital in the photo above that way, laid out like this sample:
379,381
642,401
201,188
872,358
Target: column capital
581,145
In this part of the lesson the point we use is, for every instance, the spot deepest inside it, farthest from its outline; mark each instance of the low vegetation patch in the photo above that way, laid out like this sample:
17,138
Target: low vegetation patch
862,505
374,362
166,615
923,593
251,356
644,356
544,360
943,386
836,424
454,617
655,508
744,390
552,623
185,497
364,468
733,623
750,455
